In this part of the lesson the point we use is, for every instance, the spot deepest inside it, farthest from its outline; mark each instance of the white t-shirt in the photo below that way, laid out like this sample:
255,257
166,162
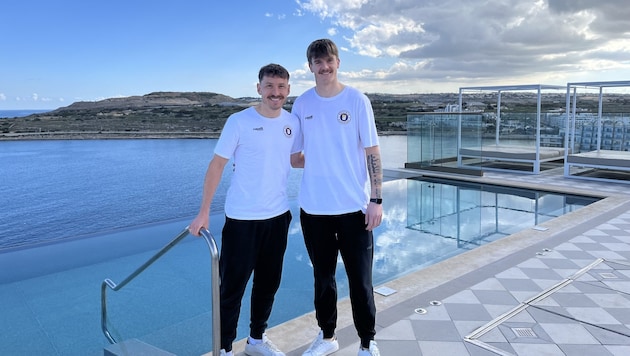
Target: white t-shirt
335,132
261,148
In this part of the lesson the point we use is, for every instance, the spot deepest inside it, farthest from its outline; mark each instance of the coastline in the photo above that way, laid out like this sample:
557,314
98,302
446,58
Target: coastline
105,135
120,135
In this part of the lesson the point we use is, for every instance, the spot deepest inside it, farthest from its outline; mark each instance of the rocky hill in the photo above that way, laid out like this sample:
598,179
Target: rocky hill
161,114
154,100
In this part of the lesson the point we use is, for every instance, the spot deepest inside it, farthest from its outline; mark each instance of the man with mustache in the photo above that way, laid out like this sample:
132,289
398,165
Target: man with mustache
254,237
340,195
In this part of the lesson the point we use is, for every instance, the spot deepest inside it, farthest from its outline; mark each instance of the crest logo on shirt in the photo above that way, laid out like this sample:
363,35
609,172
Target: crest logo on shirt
288,131
343,117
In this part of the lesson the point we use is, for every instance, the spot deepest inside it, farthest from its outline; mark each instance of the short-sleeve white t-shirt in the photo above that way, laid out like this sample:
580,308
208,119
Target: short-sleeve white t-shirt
261,149
334,134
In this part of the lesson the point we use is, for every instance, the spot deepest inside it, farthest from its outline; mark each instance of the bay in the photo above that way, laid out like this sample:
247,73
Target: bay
60,189
53,190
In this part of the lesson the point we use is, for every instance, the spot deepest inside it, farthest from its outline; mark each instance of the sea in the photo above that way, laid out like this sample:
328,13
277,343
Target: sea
60,189
10,114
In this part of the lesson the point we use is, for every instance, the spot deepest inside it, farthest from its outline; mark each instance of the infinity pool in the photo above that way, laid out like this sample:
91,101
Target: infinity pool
50,293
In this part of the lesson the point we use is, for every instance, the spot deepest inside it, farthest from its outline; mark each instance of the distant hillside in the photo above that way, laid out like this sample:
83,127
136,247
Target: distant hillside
153,100
203,114
160,114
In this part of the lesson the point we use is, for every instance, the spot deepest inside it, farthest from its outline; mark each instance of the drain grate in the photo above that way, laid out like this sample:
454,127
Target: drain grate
524,332
420,311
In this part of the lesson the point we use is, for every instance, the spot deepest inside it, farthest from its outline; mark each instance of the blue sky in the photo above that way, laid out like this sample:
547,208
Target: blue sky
54,53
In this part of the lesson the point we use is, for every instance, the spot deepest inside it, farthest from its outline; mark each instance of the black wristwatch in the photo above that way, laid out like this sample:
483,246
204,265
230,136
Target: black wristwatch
376,200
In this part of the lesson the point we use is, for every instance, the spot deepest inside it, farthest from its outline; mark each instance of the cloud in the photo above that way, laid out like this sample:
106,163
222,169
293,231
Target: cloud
3,97
279,16
473,42
35,97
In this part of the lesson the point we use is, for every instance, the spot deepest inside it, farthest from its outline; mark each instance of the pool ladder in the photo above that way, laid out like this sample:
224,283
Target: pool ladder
214,254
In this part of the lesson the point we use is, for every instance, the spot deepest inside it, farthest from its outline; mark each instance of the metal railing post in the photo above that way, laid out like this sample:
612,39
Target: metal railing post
215,285
215,295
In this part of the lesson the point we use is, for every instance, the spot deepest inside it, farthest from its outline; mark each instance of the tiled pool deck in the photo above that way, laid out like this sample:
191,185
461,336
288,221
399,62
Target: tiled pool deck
560,291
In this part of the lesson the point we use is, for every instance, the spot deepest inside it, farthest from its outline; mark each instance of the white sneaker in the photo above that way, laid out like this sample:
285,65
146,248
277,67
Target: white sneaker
265,348
372,351
321,347
223,353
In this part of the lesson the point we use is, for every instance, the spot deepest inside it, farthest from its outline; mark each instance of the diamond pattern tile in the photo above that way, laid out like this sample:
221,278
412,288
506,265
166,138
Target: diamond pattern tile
571,298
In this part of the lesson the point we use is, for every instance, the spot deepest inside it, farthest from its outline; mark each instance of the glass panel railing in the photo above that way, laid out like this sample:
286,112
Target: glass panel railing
471,141
433,138
614,130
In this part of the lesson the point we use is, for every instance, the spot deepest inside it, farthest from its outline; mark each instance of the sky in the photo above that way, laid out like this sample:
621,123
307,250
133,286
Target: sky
55,53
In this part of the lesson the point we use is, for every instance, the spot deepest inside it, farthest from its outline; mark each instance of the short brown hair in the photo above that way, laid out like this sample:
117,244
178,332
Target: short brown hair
273,70
321,48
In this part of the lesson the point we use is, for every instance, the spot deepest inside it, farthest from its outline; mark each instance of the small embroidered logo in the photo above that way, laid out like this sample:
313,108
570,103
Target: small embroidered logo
343,117
288,131
258,128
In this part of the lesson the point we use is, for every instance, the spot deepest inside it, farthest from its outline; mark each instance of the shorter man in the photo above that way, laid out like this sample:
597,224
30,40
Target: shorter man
254,237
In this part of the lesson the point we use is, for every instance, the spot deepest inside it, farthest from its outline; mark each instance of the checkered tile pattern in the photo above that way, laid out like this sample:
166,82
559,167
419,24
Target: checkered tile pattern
569,299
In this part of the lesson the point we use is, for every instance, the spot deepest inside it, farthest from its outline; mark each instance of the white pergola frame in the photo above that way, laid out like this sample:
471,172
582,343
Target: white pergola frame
499,89
602,159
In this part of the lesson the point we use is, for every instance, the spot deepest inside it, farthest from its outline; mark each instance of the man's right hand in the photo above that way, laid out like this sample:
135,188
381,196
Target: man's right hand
200,222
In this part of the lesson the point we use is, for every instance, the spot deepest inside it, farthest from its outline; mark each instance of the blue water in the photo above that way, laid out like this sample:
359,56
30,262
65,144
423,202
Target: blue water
61,189
49,292
19,113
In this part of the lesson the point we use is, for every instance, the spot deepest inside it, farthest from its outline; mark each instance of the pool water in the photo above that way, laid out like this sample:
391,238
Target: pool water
50,293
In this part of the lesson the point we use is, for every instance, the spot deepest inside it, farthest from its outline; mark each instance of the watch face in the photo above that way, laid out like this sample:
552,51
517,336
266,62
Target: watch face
376,200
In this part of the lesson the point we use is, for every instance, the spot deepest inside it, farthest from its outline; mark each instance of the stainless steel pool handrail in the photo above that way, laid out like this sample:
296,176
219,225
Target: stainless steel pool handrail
214,281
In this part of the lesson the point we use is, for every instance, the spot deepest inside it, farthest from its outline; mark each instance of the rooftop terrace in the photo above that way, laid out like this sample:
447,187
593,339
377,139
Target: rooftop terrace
562,289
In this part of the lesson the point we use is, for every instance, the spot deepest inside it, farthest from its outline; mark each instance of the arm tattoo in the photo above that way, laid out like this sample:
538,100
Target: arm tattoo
375,172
